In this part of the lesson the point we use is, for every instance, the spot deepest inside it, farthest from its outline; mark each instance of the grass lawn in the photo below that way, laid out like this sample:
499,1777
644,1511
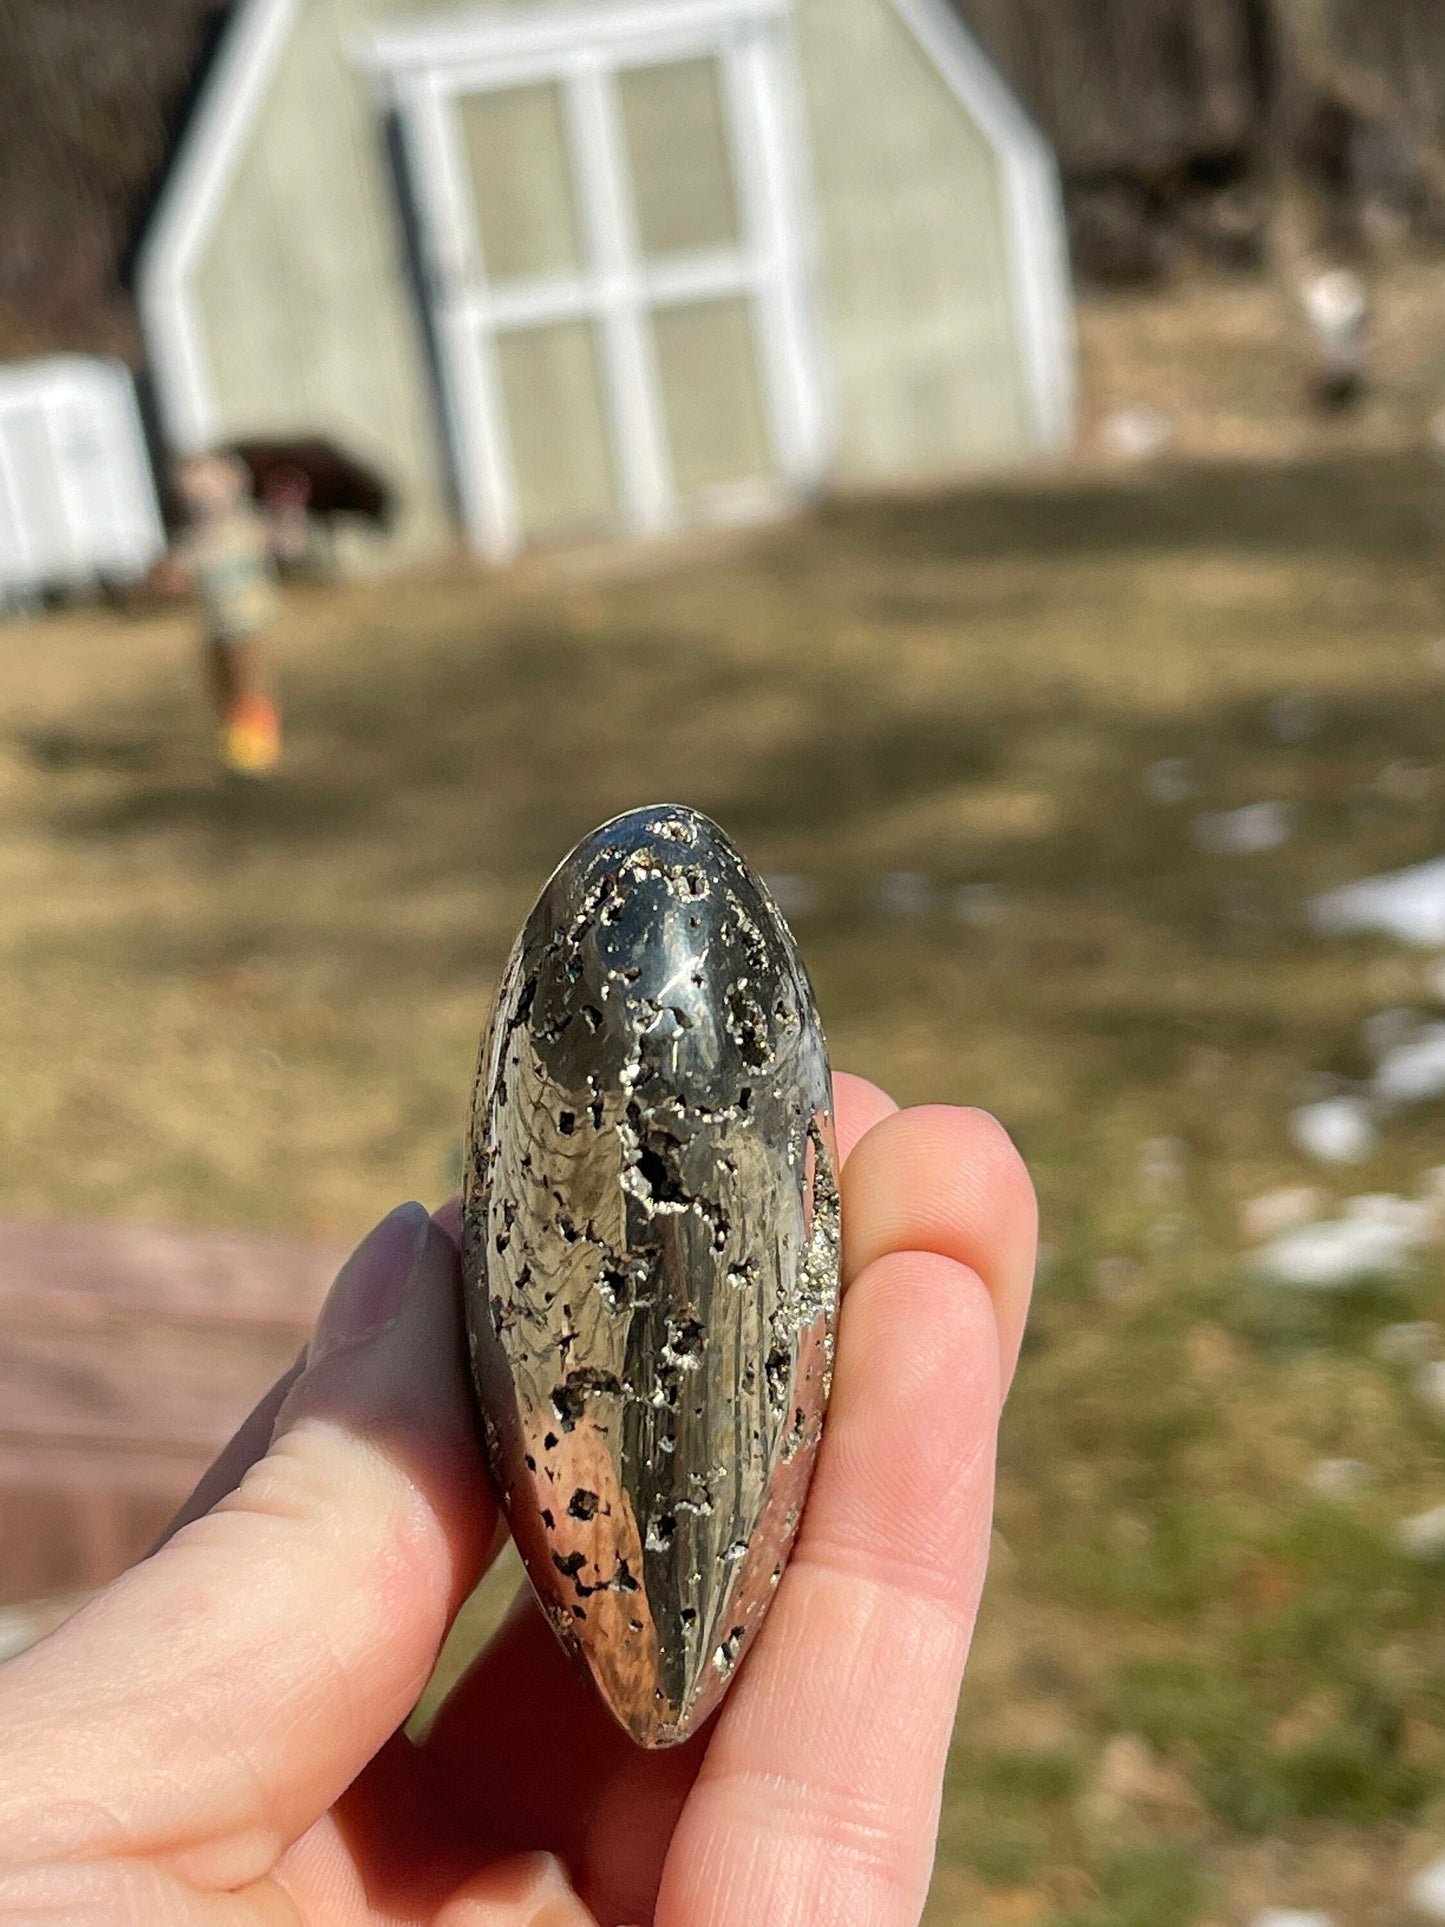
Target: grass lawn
1199,1688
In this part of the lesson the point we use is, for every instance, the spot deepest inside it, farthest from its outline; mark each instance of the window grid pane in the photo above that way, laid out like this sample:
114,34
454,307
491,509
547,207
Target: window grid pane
521,174
681,156
707,364
557,421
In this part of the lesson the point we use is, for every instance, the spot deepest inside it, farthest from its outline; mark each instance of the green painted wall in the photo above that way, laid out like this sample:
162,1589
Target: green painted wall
914,282
310,318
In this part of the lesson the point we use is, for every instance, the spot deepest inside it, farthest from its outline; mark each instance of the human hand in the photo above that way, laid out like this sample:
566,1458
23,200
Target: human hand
214,1740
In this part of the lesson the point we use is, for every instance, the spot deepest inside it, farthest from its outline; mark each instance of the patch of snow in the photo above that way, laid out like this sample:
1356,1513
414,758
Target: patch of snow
1293,719
978,905
1336,1130
1429,1383
1251,831
1336,303
1410,783
1292,1917
1114,1279
1407,1215
1169,781
1376,1237
1134,434
796,895
1406,904
1407,1344
1163,1164
1382,1030
1340,1478
904,893
1427,1891
1423,1537
1413,1072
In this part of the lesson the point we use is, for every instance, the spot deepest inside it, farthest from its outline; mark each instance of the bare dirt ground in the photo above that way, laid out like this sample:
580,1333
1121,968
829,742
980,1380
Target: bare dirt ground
1199,1687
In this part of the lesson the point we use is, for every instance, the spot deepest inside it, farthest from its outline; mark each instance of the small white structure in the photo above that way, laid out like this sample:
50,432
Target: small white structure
77,503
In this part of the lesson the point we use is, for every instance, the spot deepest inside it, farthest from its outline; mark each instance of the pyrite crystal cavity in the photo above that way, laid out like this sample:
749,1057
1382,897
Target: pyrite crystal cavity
651,1258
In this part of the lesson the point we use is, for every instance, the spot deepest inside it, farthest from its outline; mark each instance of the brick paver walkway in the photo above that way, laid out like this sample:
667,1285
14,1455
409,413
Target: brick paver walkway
128,1355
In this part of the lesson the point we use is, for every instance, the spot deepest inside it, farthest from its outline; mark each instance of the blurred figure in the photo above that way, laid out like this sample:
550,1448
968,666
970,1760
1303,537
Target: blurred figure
1336,306
304,485
226,556
286,505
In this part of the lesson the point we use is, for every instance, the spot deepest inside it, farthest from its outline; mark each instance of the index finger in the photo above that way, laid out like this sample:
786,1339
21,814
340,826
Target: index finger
857,1107
942,1179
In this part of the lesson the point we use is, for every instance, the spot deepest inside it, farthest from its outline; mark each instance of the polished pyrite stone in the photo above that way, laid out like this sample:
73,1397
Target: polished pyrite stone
651,1258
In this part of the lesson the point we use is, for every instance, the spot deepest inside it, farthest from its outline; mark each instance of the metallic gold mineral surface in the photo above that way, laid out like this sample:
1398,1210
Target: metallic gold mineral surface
651,1258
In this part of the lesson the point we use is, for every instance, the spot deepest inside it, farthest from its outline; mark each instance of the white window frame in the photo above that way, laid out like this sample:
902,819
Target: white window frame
424,70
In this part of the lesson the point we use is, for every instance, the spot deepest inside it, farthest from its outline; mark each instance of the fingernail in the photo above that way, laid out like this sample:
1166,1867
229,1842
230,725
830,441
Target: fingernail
539,1870
562,1910
371,1286
554,1904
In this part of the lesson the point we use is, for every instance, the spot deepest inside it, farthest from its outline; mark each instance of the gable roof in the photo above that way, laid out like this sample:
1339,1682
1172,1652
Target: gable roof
93,94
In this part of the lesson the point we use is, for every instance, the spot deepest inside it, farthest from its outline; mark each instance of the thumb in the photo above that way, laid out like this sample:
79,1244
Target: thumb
214,1701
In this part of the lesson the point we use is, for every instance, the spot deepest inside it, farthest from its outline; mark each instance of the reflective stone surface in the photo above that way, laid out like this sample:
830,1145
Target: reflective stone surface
651,1256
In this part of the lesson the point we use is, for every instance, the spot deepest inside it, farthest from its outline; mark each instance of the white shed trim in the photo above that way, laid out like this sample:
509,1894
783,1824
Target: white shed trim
424,67
493,35
1037,231
187,212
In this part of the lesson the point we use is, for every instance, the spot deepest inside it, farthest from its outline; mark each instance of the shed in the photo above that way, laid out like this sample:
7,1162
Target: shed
567,269
77,507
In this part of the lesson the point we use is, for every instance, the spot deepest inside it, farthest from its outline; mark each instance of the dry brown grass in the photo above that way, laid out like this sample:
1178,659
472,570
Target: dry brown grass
1229,363
261,1007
